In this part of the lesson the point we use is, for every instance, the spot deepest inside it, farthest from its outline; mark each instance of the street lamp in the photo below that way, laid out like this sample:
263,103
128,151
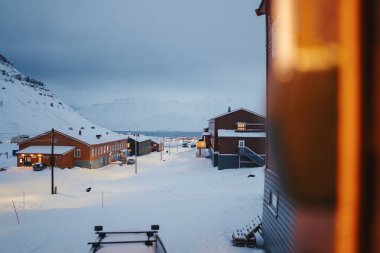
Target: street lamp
136,135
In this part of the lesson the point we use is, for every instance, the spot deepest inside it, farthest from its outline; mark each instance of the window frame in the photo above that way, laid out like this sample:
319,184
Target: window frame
77,153
273,205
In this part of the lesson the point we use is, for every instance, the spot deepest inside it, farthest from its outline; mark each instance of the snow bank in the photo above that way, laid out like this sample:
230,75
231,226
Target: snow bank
196,205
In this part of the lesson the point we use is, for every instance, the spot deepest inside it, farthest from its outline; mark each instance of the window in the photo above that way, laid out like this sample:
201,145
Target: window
77,153
273,201
57,157
241,126
241,143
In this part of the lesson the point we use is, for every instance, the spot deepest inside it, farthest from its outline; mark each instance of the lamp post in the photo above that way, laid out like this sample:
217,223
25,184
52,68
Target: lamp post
136,135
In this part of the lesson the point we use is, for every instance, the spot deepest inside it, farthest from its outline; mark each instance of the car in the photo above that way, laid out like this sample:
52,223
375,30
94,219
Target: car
39,166
131,161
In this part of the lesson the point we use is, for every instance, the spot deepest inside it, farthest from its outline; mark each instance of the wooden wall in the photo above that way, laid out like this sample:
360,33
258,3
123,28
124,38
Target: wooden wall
229,145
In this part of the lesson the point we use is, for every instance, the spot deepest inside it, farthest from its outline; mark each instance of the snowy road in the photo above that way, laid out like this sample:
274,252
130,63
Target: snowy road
196,206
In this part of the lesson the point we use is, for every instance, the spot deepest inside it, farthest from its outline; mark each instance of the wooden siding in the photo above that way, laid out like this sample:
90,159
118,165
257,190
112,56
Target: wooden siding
279,228
229,145
64,161
143,148
228,121
279,225
157,147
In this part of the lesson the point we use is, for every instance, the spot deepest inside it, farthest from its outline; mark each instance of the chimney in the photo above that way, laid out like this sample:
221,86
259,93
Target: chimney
80,132
229,109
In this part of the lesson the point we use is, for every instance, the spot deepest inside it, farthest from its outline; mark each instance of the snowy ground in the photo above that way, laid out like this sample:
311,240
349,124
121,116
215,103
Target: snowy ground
196,206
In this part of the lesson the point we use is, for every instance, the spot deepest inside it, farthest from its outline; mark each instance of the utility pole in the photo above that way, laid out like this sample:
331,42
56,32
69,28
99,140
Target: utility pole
52,161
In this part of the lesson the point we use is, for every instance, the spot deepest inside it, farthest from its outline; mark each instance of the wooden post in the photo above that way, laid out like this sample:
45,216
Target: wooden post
14,207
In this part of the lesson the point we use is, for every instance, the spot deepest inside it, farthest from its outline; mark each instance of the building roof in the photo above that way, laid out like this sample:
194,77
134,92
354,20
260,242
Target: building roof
157,140
221,115
232,133
46,150
262,8
91,136
139,138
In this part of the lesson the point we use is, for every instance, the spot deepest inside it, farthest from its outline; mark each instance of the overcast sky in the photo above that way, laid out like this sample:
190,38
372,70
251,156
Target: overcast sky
94,51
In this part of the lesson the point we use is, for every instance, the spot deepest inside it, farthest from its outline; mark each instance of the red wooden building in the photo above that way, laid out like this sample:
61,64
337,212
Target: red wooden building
237,139
88,148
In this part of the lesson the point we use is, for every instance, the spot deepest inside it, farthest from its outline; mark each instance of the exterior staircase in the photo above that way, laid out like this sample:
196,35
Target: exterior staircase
251,155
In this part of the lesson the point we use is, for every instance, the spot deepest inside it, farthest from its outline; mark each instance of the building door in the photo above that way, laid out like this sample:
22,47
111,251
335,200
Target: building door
28,161
241,143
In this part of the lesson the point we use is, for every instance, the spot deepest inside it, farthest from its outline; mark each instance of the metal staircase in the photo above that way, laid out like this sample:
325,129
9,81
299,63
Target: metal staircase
251,155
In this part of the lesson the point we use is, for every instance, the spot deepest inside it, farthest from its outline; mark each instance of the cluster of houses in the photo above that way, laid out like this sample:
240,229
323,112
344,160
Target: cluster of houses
87,148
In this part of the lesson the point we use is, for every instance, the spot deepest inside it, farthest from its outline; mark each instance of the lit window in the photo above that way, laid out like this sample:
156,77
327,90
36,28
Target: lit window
241,126
77,153
273,201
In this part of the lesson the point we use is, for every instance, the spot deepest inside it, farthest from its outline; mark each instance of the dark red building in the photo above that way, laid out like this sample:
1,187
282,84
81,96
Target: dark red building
237,139
157,145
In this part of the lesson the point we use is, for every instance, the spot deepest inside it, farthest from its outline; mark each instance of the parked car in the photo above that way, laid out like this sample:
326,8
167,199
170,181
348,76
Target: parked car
39,166
131,161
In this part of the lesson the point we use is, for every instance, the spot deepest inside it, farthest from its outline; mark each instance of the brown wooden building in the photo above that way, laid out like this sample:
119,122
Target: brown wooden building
139,144
157,145
322,176
237,139
87,148
206,137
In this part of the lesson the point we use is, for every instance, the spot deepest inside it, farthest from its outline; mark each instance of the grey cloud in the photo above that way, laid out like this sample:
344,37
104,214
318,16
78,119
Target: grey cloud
180,46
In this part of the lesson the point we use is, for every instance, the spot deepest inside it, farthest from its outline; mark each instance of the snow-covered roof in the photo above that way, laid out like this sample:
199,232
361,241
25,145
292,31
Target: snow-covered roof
89,135
139,138
58,150
157,140
206,133
233,133
236,111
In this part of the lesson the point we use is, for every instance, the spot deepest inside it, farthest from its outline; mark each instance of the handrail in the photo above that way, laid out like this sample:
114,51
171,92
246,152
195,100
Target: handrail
159,241
256,158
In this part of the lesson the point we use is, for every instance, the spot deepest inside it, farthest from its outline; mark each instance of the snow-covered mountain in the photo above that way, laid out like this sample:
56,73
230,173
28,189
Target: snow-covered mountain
27,106
147,113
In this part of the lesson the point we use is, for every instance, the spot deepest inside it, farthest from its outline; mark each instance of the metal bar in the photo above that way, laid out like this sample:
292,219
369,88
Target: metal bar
119,242
127,232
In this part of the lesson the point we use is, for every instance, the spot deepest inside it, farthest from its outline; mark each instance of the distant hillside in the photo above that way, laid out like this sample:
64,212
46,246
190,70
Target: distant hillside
27,106
153,114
